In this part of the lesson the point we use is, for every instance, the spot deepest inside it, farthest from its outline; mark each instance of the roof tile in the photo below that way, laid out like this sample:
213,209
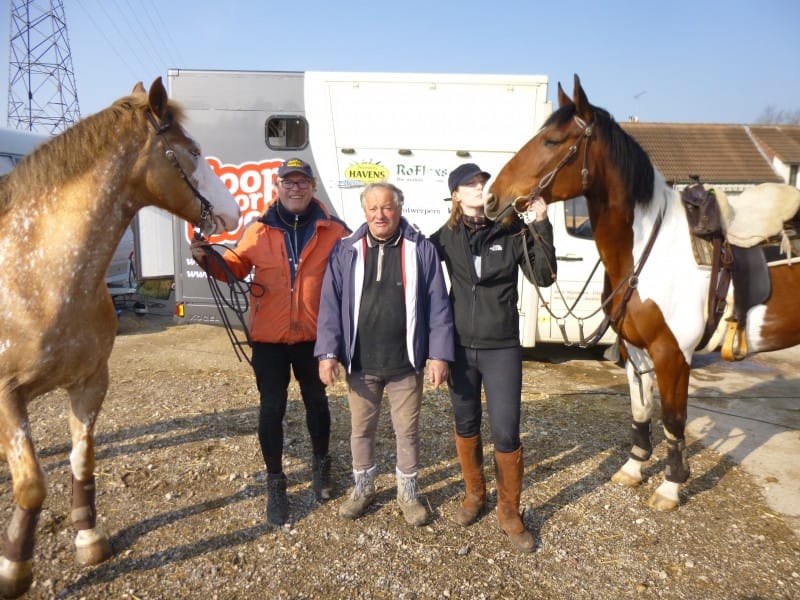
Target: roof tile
780,140
718,153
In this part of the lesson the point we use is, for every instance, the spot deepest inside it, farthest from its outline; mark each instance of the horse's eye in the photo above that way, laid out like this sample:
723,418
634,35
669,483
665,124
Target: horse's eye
551,143
194,151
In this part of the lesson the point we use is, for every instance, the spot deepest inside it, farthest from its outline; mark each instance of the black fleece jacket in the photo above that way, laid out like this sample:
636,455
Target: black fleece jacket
485,309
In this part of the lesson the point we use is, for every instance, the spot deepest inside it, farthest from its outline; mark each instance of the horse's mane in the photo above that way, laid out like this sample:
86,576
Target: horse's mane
628,157
76,149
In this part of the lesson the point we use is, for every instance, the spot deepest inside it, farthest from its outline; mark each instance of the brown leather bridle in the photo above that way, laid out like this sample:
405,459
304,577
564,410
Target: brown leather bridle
205,222
521,203
627,285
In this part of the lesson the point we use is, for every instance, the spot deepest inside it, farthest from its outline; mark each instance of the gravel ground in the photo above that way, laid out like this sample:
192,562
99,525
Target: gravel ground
182,492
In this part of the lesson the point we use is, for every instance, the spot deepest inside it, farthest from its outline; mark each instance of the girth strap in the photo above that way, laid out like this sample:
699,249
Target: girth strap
719,281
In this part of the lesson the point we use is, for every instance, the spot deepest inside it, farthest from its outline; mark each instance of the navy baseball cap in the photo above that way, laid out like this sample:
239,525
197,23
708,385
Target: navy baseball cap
295,165
463,173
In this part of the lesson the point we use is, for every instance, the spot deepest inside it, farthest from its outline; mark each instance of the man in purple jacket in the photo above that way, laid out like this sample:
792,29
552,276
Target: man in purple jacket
383,314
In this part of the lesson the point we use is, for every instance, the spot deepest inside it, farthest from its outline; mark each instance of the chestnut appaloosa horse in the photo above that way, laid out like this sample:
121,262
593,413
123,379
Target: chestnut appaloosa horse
63,210
654,289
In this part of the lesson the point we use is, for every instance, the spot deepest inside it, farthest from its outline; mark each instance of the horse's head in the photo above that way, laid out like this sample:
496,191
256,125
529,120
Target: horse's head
173,170
553,164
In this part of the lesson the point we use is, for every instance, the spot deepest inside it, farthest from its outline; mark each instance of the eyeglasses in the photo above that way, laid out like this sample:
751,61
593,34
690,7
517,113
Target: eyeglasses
300,184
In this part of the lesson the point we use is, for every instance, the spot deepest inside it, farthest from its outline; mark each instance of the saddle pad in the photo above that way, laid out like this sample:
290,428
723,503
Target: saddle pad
760,212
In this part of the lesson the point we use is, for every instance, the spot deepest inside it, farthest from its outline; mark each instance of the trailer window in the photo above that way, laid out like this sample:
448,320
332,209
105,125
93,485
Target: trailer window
286,133
576,213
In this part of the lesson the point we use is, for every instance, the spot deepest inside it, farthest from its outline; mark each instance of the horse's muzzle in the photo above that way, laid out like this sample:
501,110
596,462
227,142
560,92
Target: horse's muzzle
490,206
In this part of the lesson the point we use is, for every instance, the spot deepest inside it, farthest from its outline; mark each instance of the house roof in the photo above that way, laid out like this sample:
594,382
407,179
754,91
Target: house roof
782,141
717,153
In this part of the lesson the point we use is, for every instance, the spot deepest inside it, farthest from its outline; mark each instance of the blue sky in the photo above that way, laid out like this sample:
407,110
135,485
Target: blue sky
718,61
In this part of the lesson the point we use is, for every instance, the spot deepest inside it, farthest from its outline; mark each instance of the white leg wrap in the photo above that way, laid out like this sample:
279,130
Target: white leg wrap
642,400
12,570
633,468
89,537
669,490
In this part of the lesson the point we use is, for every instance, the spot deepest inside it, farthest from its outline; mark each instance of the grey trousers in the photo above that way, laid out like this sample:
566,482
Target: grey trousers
405,398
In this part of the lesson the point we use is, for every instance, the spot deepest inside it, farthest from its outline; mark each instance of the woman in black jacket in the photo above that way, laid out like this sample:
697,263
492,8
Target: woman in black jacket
483,260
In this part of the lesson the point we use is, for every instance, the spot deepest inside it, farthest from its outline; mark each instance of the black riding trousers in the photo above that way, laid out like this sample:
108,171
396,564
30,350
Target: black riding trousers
499,371
271,364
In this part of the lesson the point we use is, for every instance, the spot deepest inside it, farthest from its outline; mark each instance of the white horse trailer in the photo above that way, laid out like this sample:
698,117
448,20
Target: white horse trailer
16,143
411,129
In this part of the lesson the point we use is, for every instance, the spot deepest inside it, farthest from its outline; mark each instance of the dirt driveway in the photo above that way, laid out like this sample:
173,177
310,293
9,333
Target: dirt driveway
182,492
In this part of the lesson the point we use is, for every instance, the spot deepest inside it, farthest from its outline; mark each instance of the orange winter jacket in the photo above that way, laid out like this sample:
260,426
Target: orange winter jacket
280,312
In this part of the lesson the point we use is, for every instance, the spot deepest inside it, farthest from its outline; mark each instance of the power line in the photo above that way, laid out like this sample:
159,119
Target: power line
148,47
131,48
110,44
164,34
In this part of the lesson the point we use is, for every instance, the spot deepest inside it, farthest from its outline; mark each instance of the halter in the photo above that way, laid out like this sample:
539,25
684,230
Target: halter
544,182
206,221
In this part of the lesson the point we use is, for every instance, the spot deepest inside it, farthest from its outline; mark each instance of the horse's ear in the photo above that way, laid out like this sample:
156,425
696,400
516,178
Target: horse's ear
138,89
563,99
582,106
158,98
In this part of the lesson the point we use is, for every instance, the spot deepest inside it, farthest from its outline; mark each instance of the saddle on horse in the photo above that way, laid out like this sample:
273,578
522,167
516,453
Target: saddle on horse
738,238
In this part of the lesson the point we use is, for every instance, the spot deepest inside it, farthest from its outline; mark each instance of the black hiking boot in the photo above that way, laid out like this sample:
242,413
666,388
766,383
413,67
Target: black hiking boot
321,477
277,502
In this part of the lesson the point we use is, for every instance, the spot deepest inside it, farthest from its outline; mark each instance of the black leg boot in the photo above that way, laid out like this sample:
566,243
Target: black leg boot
277,502
321,477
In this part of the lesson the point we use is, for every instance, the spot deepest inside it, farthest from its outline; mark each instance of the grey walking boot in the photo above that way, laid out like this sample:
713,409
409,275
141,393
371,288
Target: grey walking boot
321,477
362,495
277,502
413,510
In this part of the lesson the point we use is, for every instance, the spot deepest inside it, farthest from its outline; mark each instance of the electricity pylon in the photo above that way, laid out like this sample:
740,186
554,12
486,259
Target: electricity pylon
42,95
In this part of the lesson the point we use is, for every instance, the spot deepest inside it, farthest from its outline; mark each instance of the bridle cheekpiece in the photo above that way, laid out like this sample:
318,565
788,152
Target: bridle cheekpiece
521,203
205,222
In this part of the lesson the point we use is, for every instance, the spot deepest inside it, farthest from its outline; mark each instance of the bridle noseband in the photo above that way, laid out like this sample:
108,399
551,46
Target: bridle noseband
520,204
206,221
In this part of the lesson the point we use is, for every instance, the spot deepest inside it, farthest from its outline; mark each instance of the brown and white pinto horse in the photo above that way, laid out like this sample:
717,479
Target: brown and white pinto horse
63,210
643,239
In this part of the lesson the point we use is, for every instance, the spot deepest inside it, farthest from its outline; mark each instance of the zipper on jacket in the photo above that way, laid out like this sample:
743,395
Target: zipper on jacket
472,311
475,280
293,314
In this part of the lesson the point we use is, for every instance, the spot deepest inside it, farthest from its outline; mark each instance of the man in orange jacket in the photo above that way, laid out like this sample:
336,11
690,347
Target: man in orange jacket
288,247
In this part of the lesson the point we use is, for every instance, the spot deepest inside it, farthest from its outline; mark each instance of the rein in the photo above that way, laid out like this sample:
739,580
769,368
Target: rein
238,300
561,321
240,290
632,280
206,220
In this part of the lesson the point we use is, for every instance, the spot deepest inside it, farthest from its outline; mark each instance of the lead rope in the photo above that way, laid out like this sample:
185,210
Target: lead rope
238,300
631,280
561,321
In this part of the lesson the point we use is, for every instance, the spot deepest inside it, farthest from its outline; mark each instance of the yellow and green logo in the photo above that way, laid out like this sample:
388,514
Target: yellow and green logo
367,172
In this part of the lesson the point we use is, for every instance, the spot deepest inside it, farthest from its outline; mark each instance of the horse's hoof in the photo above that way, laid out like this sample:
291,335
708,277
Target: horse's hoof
15,577
662,503
623,478
91,547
